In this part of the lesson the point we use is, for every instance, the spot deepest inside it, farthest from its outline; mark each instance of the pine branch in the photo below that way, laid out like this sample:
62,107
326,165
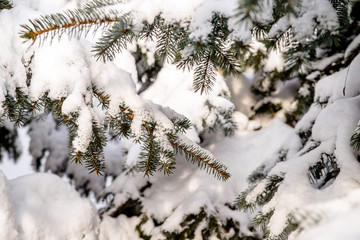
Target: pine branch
272,185
205,57
101,3
223,119
166,48
122,123
171,39
262,220
102,97
150,31
72,22
151,146
8,140
323,171
94,164
260,198
225,60
297,59
5,4
196,154
247,9
181,124
243,204
284,7
16,107
94,157
291,226
9,107
153,154
167,161
204,76
36,106
150,152
355,138
121,126
341,7
280,42
114,40
192,59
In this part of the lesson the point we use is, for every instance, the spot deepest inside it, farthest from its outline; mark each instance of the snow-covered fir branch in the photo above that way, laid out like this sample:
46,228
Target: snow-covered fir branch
112,96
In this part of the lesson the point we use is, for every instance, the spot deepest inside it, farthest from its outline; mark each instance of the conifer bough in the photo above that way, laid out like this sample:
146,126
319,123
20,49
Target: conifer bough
5,4
304,32
171,39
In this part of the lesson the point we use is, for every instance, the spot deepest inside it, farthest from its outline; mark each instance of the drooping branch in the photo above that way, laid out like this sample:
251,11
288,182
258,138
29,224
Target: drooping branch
204,76
72,22
196,154
114,40
5,4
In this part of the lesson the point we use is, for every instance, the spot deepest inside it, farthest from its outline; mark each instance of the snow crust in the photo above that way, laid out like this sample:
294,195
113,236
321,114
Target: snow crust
7,217
335,216
42,206
333,87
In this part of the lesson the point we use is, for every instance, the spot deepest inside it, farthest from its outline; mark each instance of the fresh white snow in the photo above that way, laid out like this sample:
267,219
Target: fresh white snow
45,206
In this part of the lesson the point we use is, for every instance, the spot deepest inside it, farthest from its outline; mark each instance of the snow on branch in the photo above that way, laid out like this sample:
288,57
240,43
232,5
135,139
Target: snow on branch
5,4
72,22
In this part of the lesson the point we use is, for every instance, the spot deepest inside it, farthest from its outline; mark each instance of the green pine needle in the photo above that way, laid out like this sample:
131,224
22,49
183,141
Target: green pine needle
196,155
72,22
204,74
5,4
114,40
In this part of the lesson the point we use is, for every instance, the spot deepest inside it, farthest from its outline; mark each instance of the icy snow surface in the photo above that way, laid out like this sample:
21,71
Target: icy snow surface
42,206
339,219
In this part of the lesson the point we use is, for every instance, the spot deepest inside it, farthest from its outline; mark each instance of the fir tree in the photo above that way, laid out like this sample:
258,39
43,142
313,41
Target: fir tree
171,39
233,44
